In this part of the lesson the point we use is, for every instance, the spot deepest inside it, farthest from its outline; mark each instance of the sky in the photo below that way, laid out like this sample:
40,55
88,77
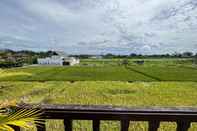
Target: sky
99,26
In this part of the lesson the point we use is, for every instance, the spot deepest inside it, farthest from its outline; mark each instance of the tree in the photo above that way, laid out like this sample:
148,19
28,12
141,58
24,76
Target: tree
187,54
51,53
133,55
176,54
195,59
109,55
34,60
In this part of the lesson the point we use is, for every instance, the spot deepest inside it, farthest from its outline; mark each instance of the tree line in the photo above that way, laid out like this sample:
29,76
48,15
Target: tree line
134,55
10,58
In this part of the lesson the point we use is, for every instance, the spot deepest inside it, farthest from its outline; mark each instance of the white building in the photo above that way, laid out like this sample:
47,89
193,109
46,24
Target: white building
58,60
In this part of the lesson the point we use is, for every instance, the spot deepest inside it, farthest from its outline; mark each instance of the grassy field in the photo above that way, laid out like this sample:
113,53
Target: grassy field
166,73
115,62
159,82
152,70
71,74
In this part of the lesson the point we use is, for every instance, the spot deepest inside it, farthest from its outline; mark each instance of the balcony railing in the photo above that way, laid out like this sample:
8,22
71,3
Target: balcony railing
182,116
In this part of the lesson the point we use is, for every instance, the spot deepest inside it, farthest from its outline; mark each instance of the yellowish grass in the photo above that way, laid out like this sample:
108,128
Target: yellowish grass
164,94
5,73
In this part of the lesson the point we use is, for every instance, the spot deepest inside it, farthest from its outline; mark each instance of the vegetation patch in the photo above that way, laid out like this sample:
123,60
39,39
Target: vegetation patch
121,91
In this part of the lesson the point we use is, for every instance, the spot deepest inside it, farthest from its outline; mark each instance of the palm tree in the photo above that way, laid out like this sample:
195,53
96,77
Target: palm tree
25,118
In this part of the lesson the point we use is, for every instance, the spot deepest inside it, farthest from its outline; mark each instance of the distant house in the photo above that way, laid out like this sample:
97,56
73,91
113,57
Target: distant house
58,60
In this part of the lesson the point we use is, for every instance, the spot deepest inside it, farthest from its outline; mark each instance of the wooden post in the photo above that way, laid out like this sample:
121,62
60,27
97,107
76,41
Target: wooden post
68,124
183,125
124,125
153,125
96,125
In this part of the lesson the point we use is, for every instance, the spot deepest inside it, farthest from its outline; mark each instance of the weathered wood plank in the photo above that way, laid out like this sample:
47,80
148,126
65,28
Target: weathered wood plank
107,108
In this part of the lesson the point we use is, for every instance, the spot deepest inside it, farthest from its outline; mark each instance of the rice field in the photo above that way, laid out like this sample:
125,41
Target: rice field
152,70
137,94
163,83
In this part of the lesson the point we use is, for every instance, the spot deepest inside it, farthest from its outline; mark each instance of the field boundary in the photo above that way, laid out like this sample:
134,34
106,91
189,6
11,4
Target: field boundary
147,75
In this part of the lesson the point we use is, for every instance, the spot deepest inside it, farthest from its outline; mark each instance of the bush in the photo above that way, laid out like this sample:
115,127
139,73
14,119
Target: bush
10,64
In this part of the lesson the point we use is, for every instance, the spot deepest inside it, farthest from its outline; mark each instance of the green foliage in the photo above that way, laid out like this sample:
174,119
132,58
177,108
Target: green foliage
34,60
24,118
18,58
10,116
187,54
9,64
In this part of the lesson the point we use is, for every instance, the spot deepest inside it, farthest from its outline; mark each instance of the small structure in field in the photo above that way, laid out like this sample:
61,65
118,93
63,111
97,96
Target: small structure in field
96,57
139,62
59,60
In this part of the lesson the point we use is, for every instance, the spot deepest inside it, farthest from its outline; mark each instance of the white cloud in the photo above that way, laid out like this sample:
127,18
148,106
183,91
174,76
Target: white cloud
122,25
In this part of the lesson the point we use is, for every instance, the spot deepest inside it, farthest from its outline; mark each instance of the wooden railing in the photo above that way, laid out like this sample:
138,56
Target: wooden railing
182,116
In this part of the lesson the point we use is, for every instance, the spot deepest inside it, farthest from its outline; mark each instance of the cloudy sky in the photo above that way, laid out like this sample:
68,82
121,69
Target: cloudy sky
99,26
